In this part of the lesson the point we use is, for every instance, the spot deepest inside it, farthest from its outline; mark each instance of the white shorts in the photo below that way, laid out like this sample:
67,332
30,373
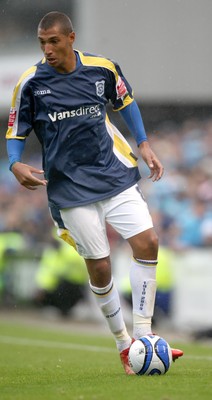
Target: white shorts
126,212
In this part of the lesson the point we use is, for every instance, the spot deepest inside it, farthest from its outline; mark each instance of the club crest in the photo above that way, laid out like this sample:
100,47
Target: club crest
100,88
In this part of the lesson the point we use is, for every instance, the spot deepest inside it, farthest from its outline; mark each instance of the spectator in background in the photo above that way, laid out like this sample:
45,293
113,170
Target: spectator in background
11,243
61,278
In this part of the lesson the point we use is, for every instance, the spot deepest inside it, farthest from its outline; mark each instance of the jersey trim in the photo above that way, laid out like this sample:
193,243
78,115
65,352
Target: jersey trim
16,100
96,61
121,147
65,235
128,100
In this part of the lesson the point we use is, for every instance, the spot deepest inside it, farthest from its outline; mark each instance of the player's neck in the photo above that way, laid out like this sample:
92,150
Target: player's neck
69,64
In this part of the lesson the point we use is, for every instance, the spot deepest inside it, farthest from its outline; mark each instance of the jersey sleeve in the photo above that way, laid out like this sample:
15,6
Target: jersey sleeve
120,91
21,112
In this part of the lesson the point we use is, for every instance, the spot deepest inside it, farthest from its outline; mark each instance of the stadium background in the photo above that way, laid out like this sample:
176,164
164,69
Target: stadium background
164,49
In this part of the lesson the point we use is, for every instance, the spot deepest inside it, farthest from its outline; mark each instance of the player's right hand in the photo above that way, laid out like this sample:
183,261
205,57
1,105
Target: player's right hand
24,175
155,166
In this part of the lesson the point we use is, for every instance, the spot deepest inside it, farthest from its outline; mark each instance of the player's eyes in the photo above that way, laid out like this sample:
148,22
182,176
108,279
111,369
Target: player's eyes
54,41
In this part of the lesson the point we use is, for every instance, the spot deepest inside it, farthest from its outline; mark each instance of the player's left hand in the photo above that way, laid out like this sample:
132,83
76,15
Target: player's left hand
155,166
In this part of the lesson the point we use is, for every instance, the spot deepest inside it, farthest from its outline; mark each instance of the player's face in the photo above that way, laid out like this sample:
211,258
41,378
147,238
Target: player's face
57,48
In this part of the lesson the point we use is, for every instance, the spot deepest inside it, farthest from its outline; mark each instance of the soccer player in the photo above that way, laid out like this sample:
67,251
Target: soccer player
90,171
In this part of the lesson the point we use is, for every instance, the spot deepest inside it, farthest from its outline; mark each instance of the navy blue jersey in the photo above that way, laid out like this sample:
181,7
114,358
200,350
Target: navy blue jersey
85,157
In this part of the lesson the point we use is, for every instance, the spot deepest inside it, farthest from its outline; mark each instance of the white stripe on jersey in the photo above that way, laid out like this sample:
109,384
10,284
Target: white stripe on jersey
125,154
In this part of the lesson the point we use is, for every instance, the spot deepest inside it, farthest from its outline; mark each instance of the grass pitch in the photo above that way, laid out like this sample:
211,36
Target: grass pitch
40,363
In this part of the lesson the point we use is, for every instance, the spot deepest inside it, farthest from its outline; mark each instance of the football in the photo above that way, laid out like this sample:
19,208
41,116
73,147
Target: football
150,355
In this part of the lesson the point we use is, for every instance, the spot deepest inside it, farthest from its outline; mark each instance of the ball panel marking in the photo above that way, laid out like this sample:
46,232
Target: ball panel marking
162,351
150,355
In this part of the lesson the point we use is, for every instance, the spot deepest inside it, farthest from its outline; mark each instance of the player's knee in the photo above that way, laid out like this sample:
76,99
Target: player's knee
99,271
152,241
149,245
145,244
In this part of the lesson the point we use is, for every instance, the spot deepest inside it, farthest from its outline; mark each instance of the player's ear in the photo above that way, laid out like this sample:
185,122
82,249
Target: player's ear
72,36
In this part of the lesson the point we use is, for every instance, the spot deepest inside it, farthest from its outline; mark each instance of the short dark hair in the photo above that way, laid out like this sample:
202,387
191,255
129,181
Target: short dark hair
56,18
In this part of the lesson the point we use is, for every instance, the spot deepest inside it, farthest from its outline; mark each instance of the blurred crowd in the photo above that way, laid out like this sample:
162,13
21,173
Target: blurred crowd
24,211
180,203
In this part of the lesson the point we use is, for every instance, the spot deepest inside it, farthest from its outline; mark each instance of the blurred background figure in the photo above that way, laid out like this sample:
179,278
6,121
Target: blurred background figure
61,278
11,243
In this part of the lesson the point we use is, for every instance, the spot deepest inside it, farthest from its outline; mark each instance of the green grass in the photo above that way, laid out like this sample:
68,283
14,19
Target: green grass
44,364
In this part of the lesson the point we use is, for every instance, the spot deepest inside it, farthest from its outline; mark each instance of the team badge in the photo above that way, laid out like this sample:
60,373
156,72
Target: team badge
100,88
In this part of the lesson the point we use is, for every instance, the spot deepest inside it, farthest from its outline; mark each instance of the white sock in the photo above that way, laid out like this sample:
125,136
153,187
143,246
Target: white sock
143,285
108,300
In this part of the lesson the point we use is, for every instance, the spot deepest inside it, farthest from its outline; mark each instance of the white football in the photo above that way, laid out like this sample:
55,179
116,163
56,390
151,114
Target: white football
150,355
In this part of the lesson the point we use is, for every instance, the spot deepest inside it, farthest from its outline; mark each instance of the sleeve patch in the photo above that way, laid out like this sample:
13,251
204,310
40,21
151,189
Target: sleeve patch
12,117
121,89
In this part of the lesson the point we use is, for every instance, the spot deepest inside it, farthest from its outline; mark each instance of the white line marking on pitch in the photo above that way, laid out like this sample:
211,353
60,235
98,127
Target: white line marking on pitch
72,346
53,345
